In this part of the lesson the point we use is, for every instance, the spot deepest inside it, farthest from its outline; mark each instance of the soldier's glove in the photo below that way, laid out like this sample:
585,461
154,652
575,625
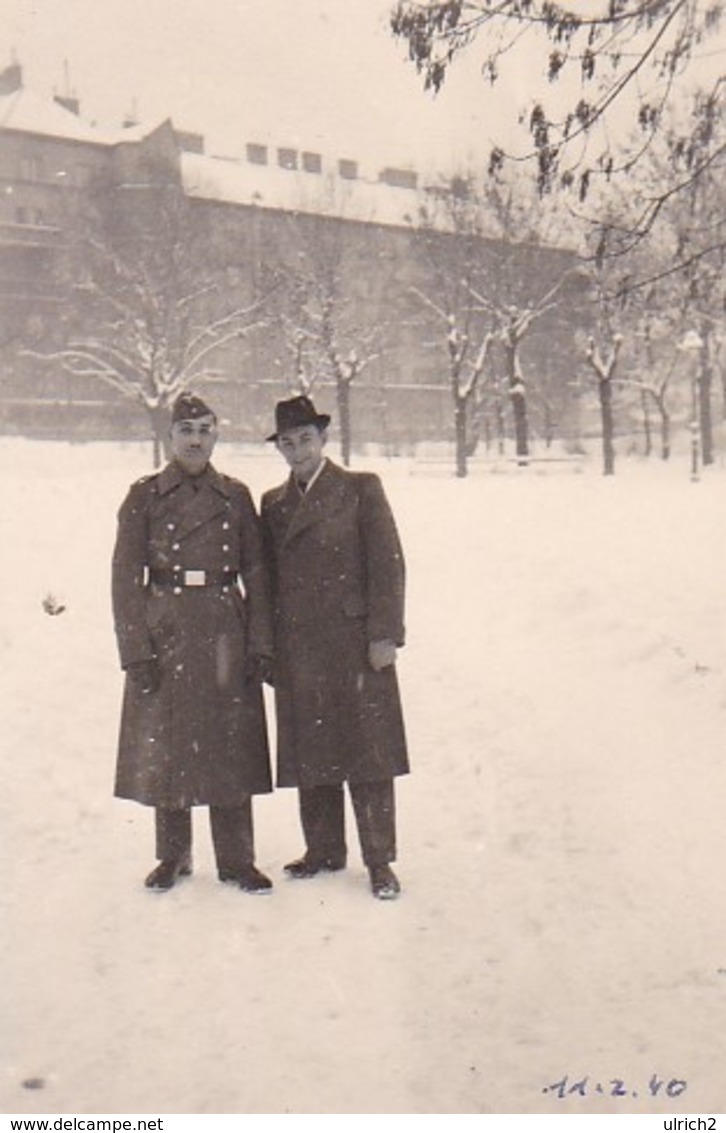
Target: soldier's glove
381,654
261,670
146,675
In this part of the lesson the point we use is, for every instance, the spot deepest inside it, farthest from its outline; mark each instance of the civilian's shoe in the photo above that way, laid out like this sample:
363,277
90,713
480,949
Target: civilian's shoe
167,873
384,883
310,865
247,878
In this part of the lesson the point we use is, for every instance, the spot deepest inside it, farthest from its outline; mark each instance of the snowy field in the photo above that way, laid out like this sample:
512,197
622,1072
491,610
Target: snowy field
562,837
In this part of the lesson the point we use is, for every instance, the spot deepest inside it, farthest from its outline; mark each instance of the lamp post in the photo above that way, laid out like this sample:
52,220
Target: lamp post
692,344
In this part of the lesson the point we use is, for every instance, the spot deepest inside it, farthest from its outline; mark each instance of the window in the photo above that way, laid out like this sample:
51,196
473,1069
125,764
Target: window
31,169
401,178
312,163
256,154
21,215
287,158
348,169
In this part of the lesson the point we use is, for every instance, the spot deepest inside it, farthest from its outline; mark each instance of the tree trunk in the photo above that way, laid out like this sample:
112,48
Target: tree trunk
473,430
705,415
665,432
160,420
343,392
487,434
460,430
521,426
646,424
549,426
501,423
518,398
605,391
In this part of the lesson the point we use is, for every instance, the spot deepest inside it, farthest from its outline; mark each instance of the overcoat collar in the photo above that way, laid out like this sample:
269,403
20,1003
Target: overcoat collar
173,475
211,499
325,496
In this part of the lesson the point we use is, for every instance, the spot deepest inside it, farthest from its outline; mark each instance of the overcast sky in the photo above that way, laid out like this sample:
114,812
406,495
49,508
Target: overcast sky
321,74
316,74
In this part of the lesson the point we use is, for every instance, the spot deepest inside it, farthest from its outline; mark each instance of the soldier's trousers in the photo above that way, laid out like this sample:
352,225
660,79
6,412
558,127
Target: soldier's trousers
232,835
322,815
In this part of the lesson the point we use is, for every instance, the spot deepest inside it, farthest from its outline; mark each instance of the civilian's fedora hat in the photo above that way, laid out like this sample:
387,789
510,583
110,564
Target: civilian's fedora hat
296,412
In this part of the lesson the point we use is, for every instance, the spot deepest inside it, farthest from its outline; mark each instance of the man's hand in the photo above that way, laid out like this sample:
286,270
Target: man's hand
381,654
146,675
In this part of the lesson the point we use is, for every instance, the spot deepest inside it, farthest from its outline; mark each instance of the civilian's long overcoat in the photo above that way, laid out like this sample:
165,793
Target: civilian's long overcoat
201,739
337,575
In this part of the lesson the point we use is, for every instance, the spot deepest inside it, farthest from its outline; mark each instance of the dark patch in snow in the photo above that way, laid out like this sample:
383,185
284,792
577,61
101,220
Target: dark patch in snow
52,605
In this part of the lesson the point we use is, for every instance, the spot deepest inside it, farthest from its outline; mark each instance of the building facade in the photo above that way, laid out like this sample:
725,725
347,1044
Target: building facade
341,275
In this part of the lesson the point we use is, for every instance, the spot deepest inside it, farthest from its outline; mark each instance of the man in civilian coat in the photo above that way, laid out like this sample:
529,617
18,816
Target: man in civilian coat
192,619
337,575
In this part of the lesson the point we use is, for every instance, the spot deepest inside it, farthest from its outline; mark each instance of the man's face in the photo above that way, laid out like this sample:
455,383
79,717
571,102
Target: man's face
192,443
302,448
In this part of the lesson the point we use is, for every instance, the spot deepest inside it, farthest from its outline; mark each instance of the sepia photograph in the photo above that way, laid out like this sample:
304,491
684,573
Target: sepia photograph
363,635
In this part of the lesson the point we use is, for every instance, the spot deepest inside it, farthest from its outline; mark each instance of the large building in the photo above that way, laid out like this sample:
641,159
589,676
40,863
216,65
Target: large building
336,259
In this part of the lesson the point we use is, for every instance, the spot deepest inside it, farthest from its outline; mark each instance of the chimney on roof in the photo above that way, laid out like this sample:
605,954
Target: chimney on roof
189,142
131,117
68,99
68,102
11,79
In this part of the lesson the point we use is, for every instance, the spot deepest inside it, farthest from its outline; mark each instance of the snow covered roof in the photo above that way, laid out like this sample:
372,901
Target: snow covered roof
28,112
295,190
392,199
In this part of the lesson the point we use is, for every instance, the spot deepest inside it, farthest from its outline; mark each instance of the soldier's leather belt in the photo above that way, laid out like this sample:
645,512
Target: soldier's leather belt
169,577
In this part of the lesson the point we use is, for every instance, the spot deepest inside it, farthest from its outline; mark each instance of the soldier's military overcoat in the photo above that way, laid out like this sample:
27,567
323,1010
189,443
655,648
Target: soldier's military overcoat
337,575
201,739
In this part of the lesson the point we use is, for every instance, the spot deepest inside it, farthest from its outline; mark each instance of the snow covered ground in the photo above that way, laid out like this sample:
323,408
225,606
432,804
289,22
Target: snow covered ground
562,842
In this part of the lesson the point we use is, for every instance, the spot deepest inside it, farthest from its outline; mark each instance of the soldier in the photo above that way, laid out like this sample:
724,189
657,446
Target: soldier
337,575
191,614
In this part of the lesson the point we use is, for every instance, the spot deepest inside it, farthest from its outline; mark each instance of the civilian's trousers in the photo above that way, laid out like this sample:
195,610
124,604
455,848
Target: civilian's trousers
322,815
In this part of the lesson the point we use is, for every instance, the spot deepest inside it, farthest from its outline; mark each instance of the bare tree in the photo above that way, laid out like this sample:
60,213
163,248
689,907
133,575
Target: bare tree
466,364
451,254
325,326
512,323
655,388
147,313
604,367
665,291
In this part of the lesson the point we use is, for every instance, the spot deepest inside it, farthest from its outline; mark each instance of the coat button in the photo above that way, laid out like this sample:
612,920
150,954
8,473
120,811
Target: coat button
225,547
175,547
225,526
177,589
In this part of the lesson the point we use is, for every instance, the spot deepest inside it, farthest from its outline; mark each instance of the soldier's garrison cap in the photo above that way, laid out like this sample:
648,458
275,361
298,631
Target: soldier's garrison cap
188,407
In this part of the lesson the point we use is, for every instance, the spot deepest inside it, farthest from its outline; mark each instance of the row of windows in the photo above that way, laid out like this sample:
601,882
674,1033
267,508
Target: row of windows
36,170
25,215
292,159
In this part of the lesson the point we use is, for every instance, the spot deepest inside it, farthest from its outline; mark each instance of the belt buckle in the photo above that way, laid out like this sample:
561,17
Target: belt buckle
195,577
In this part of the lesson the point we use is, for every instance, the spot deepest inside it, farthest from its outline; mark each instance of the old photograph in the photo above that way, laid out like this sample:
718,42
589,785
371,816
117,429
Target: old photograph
363,633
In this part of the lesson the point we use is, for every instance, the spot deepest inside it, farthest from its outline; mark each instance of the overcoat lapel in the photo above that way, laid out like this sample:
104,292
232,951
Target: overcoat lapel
325,497
211,499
